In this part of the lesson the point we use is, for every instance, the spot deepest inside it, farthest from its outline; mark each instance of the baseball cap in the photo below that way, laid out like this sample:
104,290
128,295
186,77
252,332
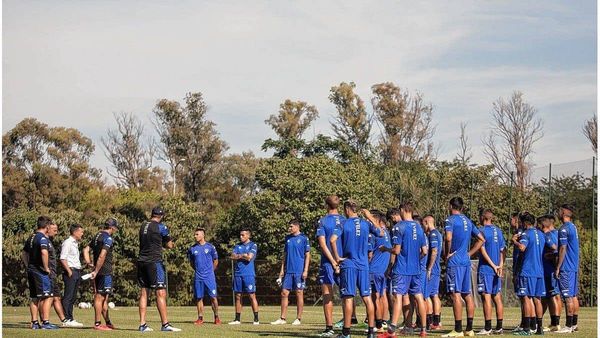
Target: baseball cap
158,211
111,222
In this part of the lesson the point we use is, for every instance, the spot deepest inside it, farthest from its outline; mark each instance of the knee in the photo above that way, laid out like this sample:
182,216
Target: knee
161,293
284,293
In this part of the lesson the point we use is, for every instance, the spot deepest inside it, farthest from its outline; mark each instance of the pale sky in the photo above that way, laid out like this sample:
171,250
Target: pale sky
73,64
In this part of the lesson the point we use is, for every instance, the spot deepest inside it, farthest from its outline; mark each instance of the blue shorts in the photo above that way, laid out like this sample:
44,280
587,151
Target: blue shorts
293,281
351,278
552,288
208,284
244,284
568,282
489,284
406,284
104,285
458,279
40,284
432,286
378,283
531,287
327,275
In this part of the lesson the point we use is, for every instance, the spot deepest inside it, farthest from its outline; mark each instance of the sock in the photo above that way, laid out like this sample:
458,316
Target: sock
378,323
256,316
329,327
166,324
525,324
498,324
488,325
354,321
371,329
35,322
216,316
436,319
575,319
469,324
64,320
429,320
238,316
97,323
458,325
282,318
201,318
553,321
532,324
418,321
391,328
346,331
522,325
539,325
108,322
569,321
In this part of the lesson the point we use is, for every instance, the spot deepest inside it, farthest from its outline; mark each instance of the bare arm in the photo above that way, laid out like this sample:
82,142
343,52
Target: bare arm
86,256
332,242
515,241
25,257
169,245
562,252
45,260
282,270
448,246
432,259
100,261
215,264
325,250
66,267
306,264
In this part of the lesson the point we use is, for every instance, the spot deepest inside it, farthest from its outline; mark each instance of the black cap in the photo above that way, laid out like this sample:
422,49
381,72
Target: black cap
111,222
157,211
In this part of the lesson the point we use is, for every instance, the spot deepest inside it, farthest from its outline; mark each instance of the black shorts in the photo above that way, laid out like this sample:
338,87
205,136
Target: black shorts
104,284
151,275
40,284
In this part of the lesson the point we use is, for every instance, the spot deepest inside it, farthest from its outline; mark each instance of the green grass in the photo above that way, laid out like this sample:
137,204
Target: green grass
15,323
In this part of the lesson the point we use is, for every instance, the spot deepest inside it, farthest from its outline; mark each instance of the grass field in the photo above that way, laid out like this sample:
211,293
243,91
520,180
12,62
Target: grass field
15,323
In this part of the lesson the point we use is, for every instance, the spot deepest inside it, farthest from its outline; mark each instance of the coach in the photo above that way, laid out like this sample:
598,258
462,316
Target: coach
69,258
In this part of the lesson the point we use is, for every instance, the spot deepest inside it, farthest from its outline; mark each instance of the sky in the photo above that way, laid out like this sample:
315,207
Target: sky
74,64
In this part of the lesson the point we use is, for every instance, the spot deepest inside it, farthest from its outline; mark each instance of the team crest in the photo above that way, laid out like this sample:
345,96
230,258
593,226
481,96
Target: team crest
205,251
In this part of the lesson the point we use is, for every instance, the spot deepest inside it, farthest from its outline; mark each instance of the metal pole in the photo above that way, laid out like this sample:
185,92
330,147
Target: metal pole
510,200
550,188
232,282
592,239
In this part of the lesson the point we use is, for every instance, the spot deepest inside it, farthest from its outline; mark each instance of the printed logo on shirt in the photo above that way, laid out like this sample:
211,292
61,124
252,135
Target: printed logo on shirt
206,251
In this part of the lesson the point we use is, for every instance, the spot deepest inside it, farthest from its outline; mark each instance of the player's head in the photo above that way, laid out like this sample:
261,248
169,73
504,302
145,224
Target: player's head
76,230
294,226
394,215
332,202
548,221
111,225
157,213
565,212
406,210
380,217
245,235
527,219
43,222
456,204
417,218
514,221
199,234
428,222
486,216
52,230
350,207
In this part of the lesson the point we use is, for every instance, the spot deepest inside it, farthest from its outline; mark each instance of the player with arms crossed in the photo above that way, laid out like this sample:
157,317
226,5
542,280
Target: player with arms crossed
294,270
354,264
244,279
204,259
459,230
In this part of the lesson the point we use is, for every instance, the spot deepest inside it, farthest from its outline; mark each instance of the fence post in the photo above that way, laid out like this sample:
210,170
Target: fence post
232,282
592,238
550,188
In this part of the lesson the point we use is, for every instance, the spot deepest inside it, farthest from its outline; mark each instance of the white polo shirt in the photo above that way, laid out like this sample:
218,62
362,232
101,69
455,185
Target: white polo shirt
70,252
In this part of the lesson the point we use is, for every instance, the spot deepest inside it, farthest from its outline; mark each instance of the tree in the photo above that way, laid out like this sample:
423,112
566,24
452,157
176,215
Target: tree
289,124
590,130
351,125
515,124
189,141
406,121
124,148
45,166
464,149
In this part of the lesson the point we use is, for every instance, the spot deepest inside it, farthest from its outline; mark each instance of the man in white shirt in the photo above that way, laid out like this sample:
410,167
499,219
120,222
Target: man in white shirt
69,258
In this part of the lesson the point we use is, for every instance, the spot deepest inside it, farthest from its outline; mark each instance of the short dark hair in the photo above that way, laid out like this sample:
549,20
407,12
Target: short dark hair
550,216
570,208
332,202
380,216
43,222
294,221
200,229
407,206
527,218
74,227
351,204
457,203
391,212
417,218
541,219
487,214
247,229
514,214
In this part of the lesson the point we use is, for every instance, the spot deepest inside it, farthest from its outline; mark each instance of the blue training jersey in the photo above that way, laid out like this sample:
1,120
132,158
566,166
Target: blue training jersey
435,241
424,259
411,238
242,266
202,256
550,248
355,242
494,245
327,225
462,229
517,257
295,248
534,241
567,236
380,260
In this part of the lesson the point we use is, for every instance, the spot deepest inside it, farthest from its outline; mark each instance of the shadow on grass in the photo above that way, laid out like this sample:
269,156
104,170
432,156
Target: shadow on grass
284,334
